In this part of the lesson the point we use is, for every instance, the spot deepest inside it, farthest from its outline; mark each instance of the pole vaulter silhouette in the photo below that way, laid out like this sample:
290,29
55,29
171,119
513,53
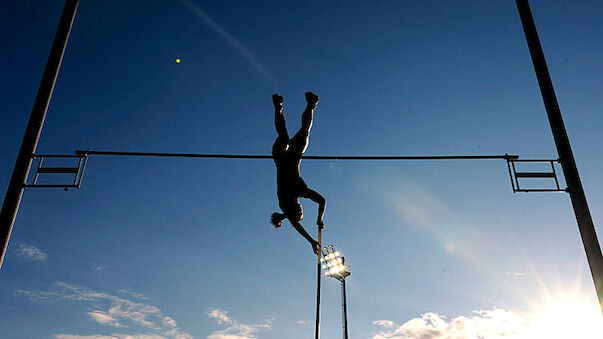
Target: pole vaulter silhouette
287,153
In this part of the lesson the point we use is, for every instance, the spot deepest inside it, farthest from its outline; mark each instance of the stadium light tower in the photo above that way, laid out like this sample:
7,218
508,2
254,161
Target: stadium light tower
334,265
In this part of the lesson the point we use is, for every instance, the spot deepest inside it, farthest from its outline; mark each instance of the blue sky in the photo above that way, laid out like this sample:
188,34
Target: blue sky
181,248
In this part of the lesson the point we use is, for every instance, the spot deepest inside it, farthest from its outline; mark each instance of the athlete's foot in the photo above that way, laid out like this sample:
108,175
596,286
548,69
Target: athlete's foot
277,100
311,99
320,224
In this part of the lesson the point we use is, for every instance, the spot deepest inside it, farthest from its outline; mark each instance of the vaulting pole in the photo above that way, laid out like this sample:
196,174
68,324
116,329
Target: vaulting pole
14,192
318,276
566,156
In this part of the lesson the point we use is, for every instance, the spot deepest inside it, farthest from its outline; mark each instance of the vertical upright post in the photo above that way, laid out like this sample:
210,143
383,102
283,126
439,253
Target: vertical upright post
318,276
14,192
566,156
344,307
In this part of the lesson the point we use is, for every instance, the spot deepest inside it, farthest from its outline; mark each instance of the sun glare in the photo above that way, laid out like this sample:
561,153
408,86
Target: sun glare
568,316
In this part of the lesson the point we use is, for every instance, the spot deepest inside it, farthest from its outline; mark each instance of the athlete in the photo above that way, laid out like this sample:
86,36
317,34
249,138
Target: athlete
287,153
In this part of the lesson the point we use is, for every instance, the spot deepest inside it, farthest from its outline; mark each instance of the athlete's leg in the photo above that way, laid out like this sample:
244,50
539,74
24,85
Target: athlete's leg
279,117
299,142
299,228
320,200
282,140
308,115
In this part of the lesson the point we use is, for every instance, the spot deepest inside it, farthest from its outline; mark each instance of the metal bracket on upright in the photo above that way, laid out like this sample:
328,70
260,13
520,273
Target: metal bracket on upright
516,175
77,171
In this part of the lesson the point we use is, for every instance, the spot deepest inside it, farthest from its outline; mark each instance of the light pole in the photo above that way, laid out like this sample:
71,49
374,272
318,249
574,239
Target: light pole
334,265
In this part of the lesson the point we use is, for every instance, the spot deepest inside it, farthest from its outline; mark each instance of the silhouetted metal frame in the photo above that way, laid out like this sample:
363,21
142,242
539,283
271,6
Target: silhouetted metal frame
566,156
514,175
78,171
18,180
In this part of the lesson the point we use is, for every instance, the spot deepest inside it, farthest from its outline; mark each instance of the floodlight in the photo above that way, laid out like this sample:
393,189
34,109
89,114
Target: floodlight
336,268
335,263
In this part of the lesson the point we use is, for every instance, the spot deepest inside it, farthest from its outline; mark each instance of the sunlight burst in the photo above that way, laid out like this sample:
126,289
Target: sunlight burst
568,316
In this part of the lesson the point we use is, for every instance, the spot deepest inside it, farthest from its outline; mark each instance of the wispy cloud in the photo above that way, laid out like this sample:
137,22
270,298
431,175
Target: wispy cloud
305,322
113,336
97,267
514,273
231,40
133,294
235,329
31,252
104,318
112,311
491,324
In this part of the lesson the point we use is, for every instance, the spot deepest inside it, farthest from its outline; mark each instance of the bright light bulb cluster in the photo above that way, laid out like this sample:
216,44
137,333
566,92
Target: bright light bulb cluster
333,263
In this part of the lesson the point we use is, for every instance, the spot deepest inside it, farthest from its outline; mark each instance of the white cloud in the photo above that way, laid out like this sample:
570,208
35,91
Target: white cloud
515,273
305,322
112,311
113,336
235,329
169,322
220,316
491,324
133,294
104,318
97,267
385,323
71,336
31,252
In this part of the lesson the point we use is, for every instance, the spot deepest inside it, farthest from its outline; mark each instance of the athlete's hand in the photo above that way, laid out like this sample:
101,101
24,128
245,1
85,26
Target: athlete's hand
315,247
320,224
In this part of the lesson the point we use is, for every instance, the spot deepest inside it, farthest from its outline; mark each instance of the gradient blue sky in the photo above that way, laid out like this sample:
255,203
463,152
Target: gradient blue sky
181,248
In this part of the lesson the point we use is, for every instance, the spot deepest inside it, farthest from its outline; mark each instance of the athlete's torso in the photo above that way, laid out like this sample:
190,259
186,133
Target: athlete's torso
287,163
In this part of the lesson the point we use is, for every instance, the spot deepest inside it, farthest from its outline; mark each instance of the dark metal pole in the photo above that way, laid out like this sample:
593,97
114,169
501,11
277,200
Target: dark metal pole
566,157
344,310
318,276
34,127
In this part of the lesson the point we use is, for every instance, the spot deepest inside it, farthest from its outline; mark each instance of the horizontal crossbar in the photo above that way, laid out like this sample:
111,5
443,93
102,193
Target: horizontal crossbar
535,174
71,170
313,157
528,190
51,186
57,156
